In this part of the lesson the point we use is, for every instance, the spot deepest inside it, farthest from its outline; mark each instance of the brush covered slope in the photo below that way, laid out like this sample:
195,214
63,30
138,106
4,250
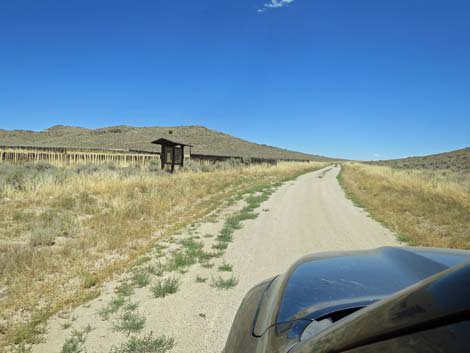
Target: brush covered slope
457,161
204,140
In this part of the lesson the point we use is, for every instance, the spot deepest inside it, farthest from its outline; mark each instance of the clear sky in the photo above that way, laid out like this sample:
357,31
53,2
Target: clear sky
360,79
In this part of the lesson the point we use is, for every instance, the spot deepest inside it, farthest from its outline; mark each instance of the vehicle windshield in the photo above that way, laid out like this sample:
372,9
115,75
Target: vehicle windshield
312,321
319,284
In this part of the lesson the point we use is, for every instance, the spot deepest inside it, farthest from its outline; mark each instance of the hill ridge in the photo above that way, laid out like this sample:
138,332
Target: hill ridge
456,160
205,141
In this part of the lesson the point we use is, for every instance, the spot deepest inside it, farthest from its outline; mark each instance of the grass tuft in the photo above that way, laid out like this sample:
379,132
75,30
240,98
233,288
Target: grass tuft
220,283
146,344
220,245
141,279
125,290
225,267
76,343
113,306
129,322
165,287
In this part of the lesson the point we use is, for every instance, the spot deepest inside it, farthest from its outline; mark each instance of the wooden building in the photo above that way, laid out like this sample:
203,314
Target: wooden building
173,152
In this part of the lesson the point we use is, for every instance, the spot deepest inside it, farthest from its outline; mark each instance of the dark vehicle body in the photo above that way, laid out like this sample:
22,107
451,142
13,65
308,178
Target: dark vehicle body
391,299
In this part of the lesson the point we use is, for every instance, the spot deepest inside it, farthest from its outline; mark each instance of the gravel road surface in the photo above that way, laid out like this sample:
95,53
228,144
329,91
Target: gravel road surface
310,214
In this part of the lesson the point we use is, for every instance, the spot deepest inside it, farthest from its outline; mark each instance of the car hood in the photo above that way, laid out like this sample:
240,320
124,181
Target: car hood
320,283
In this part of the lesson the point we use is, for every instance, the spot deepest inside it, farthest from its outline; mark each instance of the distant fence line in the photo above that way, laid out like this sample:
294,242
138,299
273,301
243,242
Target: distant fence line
65,155
254,160
20,154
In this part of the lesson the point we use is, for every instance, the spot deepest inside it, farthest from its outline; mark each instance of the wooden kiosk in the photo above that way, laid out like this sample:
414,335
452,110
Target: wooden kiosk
172,152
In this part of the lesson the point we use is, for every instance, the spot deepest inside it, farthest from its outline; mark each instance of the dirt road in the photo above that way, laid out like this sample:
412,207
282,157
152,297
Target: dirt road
310,214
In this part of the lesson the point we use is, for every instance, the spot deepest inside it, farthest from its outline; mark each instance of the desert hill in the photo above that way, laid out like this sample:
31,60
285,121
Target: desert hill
458,160
204,140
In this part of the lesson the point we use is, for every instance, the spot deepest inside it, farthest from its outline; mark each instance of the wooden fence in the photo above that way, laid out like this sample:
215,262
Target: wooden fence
246,160
73,155
61,155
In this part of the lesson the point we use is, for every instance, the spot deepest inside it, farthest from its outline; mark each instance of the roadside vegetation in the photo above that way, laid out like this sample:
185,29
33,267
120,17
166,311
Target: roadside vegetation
65,230
455,161
220,282
146,344
424,207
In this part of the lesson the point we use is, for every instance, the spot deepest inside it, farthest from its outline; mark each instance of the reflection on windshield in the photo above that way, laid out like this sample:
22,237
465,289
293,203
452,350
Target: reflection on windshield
287,334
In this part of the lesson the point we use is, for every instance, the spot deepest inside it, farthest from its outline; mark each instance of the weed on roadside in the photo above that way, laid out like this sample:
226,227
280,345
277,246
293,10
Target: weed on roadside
33,332
165,287
76,343
129,322
234,222
225,267
192,252
155,269
220,283
226,234
131,306
125,290
146,344
140,279
220,245
112,307
179,260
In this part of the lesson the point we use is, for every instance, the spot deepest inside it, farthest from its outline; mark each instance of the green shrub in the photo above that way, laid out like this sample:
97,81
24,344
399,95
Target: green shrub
180,260
146,344
141,279
165,287
157,269
76,343
125,290
130,322
221,283
225,267
89,280
112,307
220,245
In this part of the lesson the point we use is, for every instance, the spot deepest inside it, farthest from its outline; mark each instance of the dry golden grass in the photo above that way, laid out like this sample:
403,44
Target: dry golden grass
428,208
64,233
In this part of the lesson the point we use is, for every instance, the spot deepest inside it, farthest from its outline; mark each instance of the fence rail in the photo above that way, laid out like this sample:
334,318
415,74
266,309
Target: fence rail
20,154
64,155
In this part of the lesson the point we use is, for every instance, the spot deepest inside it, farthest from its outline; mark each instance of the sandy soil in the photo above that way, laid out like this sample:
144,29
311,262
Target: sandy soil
310,214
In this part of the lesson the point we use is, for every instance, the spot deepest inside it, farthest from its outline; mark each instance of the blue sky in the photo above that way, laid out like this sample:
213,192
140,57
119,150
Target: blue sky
360,79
